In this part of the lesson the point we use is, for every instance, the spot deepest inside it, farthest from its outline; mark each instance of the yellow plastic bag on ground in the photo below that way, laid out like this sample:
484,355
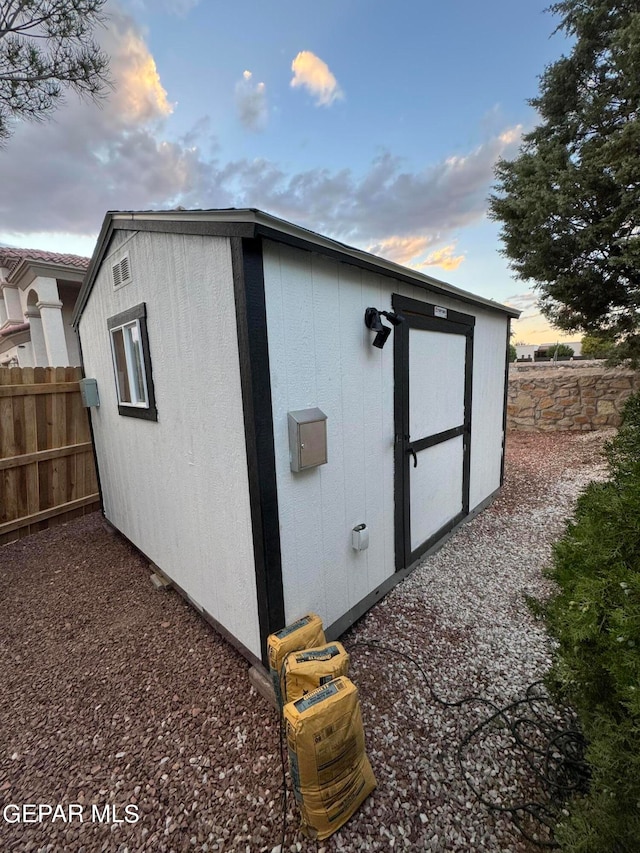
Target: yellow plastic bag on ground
303,634
308,669
330,770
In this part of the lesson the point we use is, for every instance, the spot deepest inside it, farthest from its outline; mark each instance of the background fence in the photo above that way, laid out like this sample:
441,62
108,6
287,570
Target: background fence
47,472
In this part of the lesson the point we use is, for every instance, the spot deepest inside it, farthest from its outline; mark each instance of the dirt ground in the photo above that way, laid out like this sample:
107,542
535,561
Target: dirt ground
120,706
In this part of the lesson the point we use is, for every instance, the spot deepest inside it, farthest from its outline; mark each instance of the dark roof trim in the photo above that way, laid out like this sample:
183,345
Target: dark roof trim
96,259
249,223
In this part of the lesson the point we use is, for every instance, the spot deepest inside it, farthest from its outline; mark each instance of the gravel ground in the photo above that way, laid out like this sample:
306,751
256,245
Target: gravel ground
114,694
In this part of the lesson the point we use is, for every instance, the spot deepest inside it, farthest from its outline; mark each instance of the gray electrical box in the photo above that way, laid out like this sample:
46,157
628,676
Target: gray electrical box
89,393
307,439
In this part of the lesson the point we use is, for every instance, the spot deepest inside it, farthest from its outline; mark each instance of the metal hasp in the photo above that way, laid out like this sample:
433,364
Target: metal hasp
307,439
89,393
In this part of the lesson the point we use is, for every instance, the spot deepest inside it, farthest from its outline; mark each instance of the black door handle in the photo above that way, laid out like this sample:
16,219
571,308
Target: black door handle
413,453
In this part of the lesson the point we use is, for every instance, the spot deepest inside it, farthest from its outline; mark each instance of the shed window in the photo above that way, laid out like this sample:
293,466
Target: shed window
132,363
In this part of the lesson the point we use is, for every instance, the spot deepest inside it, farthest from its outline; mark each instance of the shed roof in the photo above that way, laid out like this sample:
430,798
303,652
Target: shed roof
249,223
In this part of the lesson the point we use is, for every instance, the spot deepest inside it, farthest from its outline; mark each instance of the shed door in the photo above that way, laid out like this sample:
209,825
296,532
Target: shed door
433,360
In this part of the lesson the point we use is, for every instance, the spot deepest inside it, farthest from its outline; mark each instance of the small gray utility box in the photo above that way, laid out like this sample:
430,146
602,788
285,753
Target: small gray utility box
307,439
89,393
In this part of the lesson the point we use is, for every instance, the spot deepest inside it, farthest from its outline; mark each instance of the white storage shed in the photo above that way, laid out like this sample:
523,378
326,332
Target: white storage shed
255,441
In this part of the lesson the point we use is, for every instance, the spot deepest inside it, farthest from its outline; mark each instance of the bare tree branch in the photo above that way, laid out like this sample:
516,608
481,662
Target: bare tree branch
47,48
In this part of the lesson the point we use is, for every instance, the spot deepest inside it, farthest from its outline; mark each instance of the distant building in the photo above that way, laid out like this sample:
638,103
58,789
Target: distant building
526,351
38,294
534,352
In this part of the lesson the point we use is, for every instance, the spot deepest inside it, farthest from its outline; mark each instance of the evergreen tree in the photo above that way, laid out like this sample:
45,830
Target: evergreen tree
594,618
569,204
597,346
46,46
560,350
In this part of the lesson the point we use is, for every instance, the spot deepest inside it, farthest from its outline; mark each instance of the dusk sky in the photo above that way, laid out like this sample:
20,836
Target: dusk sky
375,123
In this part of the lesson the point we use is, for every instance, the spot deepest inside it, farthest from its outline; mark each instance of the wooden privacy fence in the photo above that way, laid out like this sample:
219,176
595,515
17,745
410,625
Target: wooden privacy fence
47,472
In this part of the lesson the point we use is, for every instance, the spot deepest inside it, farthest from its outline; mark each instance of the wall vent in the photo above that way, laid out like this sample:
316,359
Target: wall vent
121,272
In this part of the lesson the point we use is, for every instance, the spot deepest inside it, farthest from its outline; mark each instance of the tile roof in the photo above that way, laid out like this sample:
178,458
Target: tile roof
16,327
10,258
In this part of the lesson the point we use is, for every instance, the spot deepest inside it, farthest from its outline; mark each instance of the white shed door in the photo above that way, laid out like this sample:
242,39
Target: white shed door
436,406
433,423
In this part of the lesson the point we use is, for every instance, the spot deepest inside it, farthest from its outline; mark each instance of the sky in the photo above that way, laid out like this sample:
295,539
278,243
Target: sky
375,123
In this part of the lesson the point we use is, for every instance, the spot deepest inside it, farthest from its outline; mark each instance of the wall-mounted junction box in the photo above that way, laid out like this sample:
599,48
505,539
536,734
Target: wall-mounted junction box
89,393
360,537
307,439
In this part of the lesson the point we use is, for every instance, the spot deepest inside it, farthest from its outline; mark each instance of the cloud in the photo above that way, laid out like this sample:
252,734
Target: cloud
314,75
365,209
444,258
139,96
527,303
62,175
251,101
512,135
401,250
98,159
409,252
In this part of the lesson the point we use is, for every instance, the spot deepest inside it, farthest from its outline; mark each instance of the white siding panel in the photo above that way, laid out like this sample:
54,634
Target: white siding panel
178,488
436,382
320,354
489,359
432,508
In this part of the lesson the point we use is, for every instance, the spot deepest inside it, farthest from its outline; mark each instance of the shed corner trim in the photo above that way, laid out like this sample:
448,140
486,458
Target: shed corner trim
253,349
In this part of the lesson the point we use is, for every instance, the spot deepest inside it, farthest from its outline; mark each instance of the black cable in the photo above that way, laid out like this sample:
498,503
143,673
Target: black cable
564,769
284,786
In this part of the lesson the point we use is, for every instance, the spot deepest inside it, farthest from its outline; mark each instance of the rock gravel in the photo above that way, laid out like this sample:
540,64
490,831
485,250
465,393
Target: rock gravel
114,694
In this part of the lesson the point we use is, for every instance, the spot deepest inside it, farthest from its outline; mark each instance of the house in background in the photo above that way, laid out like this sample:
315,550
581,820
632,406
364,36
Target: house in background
536,352
526,351
38,292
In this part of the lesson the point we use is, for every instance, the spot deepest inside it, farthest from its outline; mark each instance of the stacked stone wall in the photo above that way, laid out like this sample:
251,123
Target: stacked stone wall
578,396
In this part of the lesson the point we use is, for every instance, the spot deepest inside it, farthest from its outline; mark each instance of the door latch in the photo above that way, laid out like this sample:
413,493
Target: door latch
413,453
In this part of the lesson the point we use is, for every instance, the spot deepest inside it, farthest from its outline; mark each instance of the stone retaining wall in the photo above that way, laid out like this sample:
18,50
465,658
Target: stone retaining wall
564,397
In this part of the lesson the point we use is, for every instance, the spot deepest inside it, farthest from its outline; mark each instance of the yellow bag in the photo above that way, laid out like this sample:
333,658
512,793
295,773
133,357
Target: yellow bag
308,669
330,771
303,634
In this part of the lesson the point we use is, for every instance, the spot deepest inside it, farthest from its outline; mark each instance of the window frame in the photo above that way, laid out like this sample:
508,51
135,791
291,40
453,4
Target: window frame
136,316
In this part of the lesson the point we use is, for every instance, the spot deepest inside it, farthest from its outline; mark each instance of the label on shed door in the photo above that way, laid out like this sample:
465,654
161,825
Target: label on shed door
439,312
